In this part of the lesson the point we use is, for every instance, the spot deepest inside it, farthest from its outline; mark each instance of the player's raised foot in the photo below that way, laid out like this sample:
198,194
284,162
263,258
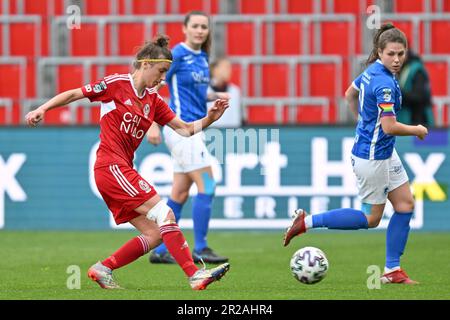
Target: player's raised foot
165,257
397,276
203,277
208,256
103,276
297,227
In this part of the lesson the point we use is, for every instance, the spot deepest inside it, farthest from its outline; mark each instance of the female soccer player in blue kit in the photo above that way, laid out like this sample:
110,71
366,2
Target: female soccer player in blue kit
376,164
188,80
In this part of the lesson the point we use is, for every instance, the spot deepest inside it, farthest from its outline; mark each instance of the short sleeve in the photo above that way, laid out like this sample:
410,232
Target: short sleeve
97,91
384,93
163,113
357,82
176,62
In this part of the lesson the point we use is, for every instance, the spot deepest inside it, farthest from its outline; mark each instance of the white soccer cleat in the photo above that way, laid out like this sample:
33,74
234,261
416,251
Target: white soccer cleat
203,277
103,276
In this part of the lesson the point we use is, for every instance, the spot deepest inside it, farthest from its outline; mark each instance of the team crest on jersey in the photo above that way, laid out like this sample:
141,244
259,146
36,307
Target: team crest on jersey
387,94
144,186
146,110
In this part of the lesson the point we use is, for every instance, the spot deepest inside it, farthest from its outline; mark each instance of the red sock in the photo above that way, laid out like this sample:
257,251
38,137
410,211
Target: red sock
178,247
129,252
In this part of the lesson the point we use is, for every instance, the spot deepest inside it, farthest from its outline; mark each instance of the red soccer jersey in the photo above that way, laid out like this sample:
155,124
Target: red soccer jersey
125,117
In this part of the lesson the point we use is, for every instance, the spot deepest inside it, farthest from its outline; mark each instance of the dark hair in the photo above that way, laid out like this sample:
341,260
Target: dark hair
387,33
155,49
206,46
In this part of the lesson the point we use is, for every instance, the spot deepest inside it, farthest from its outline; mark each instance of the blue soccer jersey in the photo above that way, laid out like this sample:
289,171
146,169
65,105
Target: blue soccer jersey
188,81
379,96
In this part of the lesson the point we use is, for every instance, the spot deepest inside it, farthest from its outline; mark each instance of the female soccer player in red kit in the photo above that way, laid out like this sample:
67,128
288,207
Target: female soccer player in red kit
129,105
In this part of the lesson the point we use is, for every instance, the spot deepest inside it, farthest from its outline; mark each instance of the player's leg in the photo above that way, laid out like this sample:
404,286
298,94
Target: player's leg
180,192
201,214
373,181
398,229
157,210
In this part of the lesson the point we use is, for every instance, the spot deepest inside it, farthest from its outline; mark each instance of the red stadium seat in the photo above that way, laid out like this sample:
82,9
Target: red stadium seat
439,75
10,80
97,7
320,86
335,38
130,37
261,115
296,7
69,77
409,6
273,82
440,31
211,7
16,116
265,115
44,8
446,6
253,7
23,39
308,114
1,39
175,31
84,40
283,44
139,7
58,116
240,38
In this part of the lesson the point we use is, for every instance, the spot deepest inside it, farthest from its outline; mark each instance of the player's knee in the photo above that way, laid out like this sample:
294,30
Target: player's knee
406,205
373,221
180,196
161,214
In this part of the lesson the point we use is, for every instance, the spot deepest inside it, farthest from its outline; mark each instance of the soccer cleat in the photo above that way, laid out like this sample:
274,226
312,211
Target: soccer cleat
208,256
103,276
297,227
166,258
397,276
203,277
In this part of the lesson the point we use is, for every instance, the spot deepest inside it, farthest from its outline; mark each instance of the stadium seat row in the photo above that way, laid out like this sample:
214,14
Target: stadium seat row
136,7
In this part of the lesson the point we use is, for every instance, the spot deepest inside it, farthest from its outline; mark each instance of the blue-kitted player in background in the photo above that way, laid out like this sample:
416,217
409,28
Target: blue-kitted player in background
188,80
376,96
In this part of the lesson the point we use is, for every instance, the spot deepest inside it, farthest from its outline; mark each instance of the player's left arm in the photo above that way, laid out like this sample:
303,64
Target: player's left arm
187,129
62,99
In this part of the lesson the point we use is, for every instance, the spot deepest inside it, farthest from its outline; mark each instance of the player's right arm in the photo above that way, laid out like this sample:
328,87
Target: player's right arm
34,117
154,134
351,96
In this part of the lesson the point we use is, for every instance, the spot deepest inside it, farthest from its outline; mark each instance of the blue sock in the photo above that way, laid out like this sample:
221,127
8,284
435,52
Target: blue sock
176,208
396,237
343,219
201,214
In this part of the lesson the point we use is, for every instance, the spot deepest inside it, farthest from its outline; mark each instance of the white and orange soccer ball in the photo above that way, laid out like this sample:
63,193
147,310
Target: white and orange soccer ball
309,265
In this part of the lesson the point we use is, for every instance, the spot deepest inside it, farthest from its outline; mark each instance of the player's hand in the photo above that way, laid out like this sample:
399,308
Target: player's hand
421,132
218,108
34,117
154,135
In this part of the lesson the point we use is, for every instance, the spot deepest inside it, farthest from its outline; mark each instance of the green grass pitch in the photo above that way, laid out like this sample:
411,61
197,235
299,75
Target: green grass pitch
34,266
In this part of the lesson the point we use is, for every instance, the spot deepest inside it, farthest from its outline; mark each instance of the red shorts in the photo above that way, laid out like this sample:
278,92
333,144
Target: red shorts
123,190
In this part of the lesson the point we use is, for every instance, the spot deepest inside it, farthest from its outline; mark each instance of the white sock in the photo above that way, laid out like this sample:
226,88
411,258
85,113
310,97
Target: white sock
389,270
308,222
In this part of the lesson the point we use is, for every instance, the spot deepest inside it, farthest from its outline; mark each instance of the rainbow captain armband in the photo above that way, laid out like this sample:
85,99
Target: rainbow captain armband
387,109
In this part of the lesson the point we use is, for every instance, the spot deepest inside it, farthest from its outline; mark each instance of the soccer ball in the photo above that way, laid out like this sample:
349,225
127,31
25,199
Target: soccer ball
309,265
